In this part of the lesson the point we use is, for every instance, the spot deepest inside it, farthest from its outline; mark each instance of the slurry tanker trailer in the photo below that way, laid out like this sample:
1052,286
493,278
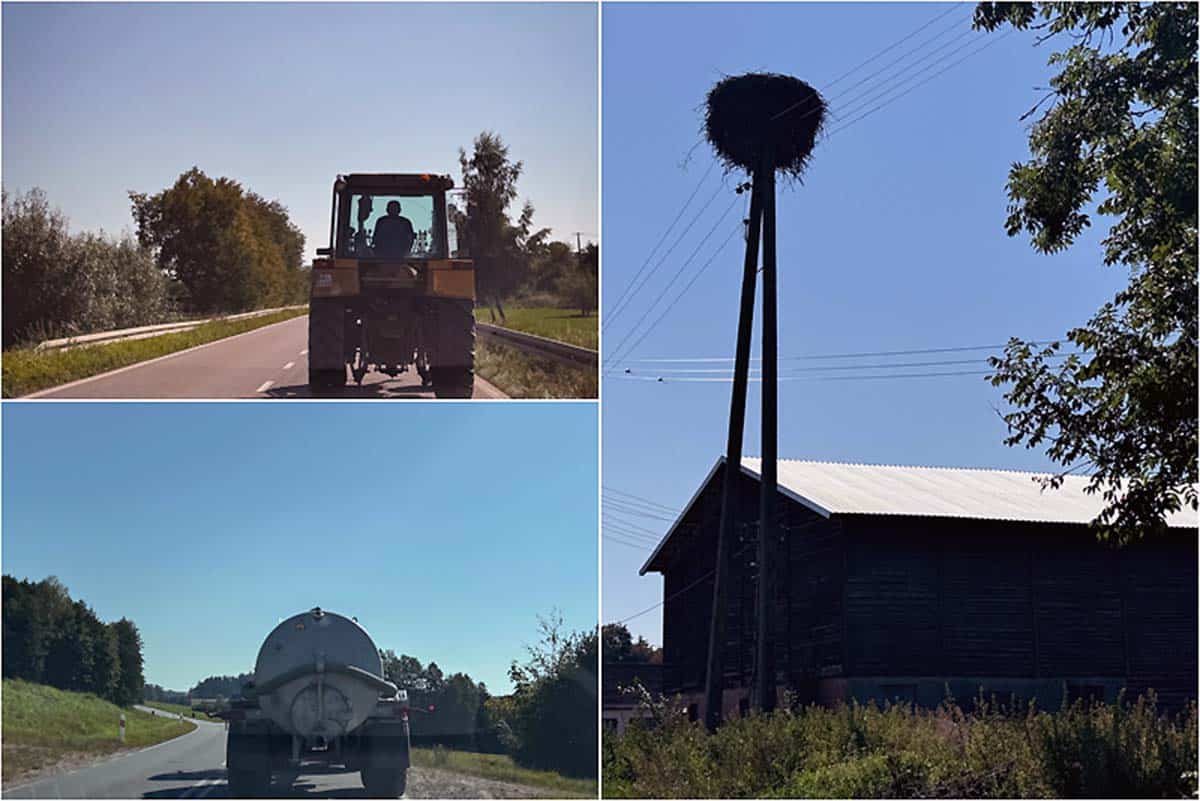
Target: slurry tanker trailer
318,696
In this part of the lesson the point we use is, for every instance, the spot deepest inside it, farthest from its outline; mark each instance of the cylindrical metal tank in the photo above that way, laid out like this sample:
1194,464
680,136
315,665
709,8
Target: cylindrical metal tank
319,674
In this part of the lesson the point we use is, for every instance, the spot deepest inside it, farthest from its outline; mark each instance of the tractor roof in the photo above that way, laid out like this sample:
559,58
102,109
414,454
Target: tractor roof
399,180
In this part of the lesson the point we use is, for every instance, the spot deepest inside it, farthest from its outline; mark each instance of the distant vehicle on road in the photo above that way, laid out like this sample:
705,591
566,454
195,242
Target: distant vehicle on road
390,293
318,695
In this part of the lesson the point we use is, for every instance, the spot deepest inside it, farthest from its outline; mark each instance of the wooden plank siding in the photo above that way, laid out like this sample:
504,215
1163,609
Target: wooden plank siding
875,597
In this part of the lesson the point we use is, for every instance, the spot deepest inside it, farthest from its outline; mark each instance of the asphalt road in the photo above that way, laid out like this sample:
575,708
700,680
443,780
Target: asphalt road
193,766
268,362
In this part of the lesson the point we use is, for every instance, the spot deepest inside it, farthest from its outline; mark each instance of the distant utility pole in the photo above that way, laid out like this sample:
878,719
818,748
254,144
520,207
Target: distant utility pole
760,123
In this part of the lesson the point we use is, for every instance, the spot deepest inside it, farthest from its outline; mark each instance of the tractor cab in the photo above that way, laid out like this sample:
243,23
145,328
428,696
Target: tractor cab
393,217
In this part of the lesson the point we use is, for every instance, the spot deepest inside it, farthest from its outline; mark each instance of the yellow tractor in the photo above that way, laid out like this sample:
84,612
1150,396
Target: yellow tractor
390,294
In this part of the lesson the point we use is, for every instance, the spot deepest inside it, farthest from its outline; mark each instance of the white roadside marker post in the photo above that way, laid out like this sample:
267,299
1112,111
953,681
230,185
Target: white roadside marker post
121,729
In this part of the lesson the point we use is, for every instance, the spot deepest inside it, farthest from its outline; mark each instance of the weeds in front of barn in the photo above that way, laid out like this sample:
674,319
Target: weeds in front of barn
897,751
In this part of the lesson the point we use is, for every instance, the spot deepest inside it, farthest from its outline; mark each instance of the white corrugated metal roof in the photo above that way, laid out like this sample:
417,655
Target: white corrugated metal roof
839,488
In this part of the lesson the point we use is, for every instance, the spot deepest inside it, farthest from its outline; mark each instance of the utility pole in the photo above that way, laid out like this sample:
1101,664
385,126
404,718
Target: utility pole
761,123
764,690
714,677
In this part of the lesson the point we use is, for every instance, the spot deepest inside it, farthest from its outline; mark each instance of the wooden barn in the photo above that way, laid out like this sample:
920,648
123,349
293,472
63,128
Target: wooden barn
900,582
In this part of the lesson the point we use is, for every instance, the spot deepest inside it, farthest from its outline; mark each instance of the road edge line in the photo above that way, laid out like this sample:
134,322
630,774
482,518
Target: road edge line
42,392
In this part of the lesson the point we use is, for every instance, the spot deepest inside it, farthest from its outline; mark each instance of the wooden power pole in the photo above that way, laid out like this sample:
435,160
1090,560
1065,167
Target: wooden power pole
762,123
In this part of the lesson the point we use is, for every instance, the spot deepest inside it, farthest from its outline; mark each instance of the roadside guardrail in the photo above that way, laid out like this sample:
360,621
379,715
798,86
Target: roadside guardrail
539,346
143,331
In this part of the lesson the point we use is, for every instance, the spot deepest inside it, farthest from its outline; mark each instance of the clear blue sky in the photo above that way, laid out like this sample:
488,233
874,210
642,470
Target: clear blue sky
445,528
895,241
102,98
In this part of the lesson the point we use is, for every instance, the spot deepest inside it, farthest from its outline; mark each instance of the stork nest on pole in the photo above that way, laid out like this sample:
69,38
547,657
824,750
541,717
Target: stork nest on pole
747,113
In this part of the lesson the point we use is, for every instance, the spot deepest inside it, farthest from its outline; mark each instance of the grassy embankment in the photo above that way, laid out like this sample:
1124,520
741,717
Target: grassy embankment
180,709
26,370
500,767
1098,751
521,375
43,726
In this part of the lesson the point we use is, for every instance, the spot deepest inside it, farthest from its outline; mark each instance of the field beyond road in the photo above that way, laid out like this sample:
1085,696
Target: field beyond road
565,325
44,727
180,709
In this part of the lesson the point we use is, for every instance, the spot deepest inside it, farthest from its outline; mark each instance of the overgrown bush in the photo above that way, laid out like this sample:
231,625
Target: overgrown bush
897,751
554,705
58,284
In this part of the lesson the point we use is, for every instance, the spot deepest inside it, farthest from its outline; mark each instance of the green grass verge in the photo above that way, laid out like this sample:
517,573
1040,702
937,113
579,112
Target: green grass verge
500,767
521,375
180,709
43,726
25,370
565,325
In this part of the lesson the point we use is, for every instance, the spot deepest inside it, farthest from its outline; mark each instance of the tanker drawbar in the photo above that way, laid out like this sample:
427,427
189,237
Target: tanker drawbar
318,696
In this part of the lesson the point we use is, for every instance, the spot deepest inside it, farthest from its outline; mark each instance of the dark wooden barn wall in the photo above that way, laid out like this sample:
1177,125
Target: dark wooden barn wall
964,598
808,623
892,596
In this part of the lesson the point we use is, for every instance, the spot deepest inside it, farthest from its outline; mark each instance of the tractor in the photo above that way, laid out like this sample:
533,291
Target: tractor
390,293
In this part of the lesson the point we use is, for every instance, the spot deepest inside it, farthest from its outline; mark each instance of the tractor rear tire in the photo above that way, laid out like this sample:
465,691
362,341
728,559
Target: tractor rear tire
453,382
385,782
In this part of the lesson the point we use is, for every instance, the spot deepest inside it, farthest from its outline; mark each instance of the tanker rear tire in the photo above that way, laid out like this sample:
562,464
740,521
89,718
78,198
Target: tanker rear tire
384,782
453,382
249,783
327,379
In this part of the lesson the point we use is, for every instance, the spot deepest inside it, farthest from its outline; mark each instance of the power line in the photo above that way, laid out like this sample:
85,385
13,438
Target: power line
613,361
640,539
639,512
614,354
905,74
991,41
860,354
637,546
641,530
666,600
647,501
637,527
891,47
613,314
745,544
758,379
662,239
639,504
879,366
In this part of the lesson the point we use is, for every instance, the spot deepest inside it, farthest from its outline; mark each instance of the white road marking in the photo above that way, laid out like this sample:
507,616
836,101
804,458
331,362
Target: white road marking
289,365
265,386
304,352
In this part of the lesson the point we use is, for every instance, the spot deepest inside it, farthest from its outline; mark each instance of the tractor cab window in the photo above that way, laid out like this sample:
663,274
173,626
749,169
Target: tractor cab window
388,227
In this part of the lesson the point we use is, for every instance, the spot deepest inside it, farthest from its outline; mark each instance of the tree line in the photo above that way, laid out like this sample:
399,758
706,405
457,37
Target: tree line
51,639
203,246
